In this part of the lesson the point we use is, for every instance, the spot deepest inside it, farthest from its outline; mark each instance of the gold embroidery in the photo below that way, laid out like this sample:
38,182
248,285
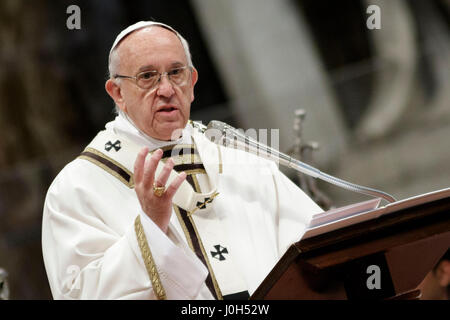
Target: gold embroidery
175,146
186,159
195,171
220,159
148,260
196,185
183,226
203,204
213,277
189,238
129,183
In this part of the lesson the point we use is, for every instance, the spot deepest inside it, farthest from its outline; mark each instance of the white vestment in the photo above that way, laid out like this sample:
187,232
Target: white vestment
94,247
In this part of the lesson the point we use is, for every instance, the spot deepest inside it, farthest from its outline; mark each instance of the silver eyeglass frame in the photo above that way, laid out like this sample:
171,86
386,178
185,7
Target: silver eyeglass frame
161,74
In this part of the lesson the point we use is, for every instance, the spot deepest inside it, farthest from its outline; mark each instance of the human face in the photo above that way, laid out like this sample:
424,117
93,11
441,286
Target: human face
162,111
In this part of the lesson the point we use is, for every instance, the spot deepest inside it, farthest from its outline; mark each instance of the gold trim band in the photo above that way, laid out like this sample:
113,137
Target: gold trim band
194,241
148,260
220,160
109,165
189,213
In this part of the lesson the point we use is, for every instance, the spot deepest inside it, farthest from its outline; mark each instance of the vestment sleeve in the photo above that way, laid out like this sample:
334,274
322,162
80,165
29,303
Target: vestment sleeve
295,210
85,255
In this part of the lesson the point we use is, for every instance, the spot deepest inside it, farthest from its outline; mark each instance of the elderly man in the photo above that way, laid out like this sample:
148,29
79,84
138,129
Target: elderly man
152,209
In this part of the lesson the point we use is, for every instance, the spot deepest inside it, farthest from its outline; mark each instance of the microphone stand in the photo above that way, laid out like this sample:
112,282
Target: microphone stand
235,139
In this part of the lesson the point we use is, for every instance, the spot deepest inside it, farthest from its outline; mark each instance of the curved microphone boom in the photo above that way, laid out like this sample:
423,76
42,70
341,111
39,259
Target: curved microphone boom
231,137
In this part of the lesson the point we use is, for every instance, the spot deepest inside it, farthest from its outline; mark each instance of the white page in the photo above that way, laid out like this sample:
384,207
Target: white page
342,212
352,219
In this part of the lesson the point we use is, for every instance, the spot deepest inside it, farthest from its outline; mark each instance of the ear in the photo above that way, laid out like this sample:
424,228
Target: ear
194,78
443,273
115,93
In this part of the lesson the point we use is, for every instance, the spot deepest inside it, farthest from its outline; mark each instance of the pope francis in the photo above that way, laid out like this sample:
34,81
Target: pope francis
151,209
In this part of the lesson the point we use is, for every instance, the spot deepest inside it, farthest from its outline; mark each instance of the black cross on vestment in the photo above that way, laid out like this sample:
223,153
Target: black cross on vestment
202,205
220,251
115,145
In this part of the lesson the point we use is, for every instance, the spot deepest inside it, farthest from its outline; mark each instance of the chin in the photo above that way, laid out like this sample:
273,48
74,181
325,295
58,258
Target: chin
173,133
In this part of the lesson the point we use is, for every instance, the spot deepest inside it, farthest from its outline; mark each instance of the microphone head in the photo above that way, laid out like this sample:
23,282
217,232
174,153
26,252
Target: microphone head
215,131
219,132
218,125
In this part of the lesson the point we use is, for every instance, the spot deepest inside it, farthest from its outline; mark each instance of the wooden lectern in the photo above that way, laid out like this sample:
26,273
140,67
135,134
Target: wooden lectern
384,257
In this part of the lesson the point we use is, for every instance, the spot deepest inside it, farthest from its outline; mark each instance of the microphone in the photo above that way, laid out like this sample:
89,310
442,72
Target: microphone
231,137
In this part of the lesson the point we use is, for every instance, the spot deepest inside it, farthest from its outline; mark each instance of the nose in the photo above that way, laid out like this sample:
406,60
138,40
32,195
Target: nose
165,87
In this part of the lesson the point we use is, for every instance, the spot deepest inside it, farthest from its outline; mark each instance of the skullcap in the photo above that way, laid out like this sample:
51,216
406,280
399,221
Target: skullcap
136,26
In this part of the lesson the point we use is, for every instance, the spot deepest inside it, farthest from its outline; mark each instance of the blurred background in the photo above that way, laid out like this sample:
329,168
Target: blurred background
375,102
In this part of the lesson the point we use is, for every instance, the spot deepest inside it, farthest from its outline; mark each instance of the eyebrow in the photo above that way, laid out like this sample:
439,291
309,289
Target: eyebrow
152,67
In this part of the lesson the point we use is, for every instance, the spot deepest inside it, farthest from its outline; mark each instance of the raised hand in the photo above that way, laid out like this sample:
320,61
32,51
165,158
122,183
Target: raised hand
158,208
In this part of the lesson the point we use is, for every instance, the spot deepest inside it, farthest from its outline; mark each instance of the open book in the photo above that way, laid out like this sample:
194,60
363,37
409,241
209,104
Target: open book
362,211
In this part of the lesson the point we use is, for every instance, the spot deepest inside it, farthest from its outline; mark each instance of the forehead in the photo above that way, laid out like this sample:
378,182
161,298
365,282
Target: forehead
152,46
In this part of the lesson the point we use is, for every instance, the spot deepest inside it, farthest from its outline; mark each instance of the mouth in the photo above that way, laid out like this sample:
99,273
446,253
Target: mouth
167,113
167,109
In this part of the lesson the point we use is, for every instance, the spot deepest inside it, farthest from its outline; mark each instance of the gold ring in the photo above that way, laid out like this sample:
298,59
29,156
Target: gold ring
158,191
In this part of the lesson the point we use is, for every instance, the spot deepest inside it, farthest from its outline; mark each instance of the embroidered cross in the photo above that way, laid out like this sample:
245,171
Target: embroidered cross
202,205
115,145
220,251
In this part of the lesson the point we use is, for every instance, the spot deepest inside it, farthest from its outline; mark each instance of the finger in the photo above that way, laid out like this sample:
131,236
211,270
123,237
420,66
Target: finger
150,168
162,178
139,165
176,183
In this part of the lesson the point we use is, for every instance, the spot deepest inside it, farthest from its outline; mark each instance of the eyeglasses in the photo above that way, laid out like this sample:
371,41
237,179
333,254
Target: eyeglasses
150,79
